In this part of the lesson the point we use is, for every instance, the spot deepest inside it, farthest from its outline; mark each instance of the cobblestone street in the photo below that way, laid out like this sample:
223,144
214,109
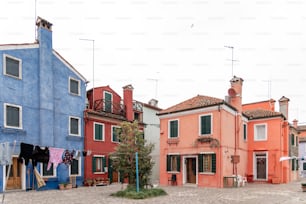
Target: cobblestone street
251,194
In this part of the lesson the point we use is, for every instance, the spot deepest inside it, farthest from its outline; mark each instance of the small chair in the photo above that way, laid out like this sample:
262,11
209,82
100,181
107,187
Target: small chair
172,180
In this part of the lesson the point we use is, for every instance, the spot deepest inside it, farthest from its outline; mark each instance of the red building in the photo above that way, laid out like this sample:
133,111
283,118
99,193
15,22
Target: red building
102,121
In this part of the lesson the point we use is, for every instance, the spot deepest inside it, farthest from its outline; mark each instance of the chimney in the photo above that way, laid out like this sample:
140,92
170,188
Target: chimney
235,93
283,106
128,101
295,123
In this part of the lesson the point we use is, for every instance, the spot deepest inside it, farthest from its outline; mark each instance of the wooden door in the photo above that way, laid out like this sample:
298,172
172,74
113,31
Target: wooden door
115,176
14,180
191,170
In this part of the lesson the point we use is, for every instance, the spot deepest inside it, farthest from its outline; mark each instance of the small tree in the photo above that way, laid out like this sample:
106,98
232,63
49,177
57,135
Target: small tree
124,161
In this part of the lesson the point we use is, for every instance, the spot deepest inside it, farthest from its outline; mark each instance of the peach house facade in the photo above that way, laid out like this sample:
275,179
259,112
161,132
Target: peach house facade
206,141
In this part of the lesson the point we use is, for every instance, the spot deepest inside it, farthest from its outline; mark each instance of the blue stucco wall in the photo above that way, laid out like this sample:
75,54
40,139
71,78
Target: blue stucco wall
43,94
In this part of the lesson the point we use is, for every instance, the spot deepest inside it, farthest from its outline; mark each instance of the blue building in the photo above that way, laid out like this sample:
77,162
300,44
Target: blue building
42,98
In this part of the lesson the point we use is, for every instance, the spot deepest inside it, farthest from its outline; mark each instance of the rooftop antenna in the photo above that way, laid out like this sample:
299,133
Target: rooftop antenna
35,22
231,47
156,85
269,87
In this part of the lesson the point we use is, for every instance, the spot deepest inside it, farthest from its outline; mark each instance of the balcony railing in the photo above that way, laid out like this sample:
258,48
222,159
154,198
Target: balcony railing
102,105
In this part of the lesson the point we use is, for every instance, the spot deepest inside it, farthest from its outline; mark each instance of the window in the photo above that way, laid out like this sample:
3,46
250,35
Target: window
75,167
98,131
304,166
74,126
116,130
108,98
47,173
173,128
260,132
207,162
173,163
74,86
245,136
296,141
12,116
205,125
98,164
292,139
12,66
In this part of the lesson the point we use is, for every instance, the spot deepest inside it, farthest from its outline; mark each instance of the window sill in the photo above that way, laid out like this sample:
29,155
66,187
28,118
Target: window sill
207,173
173,172
173,141
99,172
74,138
8,130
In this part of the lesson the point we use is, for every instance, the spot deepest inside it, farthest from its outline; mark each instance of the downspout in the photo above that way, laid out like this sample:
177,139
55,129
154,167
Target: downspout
220,147
235,149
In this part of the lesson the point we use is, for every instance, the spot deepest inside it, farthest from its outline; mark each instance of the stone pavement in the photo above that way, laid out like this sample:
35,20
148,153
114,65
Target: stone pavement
251,194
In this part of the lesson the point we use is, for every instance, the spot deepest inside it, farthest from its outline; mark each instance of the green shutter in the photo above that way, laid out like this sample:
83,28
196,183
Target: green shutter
93,164
174,128
292,139
200,158
178,160
98,132
206,124
104,163
114,135
293,164
168,163
213,160
244,131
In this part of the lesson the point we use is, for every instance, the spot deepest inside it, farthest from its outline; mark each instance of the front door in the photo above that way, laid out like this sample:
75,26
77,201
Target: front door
14,180
191,170
261,166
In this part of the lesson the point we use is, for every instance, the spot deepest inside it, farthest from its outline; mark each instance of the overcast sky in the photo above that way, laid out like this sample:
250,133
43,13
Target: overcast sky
173,50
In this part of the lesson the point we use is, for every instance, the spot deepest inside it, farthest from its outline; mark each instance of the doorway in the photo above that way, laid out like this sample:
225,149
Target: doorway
14,179
261,166
190,170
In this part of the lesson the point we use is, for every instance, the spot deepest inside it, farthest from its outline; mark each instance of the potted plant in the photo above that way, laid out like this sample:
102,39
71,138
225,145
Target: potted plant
64,186
303,186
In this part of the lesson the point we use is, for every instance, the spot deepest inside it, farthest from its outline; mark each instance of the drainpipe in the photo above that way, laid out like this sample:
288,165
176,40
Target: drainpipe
220,148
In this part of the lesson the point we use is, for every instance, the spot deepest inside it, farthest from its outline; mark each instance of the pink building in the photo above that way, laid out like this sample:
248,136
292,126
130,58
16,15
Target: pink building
205,140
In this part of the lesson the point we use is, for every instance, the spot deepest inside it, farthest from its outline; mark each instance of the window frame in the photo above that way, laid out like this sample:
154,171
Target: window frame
94,132
108,103
256,132
213,163
19,68
103,169
79,126
245,132
177,130
79,86
5,116
42,171
211,124
112,133
79,168
169,167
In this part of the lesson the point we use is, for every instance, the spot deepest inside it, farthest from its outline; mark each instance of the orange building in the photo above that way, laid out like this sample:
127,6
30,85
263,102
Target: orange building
208,141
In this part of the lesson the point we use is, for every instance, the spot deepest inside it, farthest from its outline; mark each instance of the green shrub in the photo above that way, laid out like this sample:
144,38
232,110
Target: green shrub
142,194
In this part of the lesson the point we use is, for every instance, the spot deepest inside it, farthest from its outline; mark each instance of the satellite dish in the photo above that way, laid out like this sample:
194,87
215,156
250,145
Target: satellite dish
232,92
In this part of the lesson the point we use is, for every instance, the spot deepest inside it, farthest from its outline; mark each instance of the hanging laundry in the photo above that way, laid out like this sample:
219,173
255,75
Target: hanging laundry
39,179
5,154
88,152
68,156
84,153
77,155
55,157
40,155
26,152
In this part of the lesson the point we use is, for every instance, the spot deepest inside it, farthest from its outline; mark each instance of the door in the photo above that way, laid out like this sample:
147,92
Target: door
261,166
14,180
108,98
191,170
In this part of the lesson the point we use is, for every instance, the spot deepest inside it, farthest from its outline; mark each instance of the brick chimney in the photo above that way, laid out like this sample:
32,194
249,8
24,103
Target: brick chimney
128,101
235,93
295,123
283,106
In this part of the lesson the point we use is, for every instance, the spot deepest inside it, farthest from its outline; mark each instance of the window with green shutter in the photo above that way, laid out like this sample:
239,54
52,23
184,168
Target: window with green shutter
98,164
98,131
205,124
174,163
173,128
116,130
292,139
207,163
304,166
244,132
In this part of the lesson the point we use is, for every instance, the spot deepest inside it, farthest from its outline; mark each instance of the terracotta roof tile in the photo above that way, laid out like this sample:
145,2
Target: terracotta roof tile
261,113
198,101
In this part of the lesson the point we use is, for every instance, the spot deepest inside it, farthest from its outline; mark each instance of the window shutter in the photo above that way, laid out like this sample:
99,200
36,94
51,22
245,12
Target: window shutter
200,158
304,165
104,163
244,131
206,124
93,164
174,128
168,163
213,161
292,139
178,160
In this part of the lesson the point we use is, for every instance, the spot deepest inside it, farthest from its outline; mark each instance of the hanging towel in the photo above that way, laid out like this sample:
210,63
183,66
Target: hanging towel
40,155
39,179
68,157
55,157
5,154
26,152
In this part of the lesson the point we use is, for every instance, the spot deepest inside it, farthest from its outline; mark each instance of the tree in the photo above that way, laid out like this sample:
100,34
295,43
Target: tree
124,161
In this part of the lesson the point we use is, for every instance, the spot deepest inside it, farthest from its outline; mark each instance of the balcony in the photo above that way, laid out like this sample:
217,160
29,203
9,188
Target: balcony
106,106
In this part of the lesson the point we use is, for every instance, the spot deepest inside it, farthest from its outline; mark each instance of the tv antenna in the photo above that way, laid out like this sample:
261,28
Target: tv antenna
156,85
269,87
231,47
